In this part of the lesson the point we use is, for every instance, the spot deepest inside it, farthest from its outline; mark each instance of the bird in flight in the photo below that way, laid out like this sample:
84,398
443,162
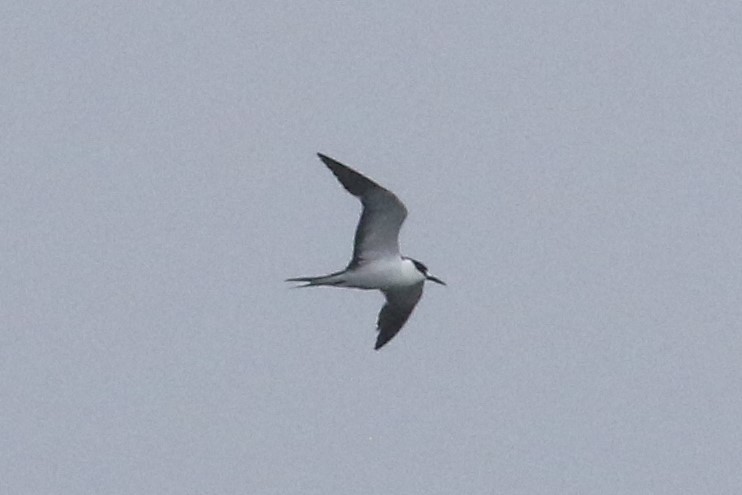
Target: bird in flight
377,263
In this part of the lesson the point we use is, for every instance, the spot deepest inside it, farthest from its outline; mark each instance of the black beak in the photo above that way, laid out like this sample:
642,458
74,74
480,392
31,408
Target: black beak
435,279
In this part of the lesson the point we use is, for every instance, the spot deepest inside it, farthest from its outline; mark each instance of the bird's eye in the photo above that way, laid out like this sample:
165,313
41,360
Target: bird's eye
420,266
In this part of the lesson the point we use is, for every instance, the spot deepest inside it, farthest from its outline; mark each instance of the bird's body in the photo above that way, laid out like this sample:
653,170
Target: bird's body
377,263
381,274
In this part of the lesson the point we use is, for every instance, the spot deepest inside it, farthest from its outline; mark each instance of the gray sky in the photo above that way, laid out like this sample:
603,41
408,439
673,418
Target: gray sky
572,170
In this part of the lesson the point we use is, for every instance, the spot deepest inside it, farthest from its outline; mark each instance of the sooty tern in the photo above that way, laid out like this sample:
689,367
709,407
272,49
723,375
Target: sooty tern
377,263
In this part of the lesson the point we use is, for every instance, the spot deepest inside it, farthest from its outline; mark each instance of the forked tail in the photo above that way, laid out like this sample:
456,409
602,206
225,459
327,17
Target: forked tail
333,279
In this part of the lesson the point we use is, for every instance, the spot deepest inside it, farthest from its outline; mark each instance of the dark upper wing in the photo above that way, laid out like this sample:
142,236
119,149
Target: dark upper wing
377,234
396,311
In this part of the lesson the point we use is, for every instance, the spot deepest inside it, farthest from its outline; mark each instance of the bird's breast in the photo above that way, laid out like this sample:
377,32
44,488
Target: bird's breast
384,274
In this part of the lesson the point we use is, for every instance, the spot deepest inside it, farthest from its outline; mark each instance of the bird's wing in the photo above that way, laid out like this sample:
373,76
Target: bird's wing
377,234
398,308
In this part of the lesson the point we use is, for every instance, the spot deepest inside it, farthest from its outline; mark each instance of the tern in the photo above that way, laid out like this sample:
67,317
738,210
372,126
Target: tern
377,263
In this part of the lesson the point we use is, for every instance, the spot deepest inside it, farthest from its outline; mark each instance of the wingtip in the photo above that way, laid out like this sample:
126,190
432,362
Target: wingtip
330,162
381,341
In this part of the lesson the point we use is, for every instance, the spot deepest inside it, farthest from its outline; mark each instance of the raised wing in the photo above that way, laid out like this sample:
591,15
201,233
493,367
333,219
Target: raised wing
397,310
377,233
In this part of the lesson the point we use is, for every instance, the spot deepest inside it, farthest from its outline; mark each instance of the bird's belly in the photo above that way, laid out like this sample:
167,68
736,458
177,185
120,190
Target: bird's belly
383,276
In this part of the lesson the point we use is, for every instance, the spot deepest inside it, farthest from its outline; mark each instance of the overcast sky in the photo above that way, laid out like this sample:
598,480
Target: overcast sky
573,170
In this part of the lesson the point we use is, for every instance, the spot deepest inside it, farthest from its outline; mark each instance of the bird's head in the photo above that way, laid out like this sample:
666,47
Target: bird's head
424,270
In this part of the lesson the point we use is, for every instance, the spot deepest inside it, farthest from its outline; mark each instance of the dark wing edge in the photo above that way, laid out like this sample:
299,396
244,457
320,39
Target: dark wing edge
355,183
395,313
